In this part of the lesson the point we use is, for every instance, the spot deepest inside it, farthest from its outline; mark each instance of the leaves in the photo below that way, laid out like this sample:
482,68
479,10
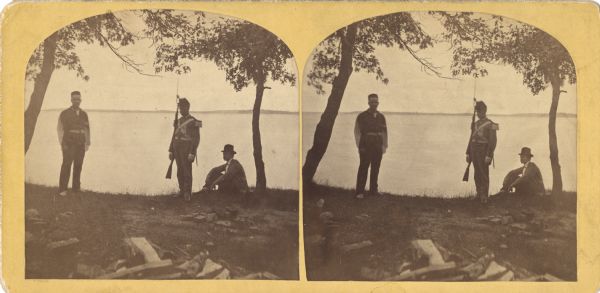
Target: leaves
399,30
247,53
105,30
477,41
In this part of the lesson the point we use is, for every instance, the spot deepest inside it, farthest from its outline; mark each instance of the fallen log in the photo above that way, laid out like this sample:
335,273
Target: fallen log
428,249
355,246
137,269
422,271
142,245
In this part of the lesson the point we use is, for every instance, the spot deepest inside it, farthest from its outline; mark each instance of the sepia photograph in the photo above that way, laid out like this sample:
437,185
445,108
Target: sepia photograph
440,146
161,144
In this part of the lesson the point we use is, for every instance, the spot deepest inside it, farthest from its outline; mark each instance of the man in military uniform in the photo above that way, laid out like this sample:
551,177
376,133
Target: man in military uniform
480,150
525,180
74,137
183,147
229,177
370,133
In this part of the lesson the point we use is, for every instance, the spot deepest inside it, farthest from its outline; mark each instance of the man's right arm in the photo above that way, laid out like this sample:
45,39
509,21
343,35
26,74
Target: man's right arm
357,133
60,130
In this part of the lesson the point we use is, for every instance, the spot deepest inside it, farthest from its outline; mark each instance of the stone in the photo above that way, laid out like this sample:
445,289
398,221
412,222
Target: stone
137,269
355,246
31,214
141,244
62,243
426,248
28,237
223,275
507,220
320,203
224,223
519,226
326,217
493,270
210,268
413,275
508,276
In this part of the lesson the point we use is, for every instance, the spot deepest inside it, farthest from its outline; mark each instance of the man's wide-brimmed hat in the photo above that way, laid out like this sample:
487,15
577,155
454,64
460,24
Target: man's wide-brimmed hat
228,148
525,151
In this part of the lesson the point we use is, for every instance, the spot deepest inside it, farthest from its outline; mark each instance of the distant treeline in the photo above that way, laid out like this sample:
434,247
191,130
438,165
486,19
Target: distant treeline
567,115
169,111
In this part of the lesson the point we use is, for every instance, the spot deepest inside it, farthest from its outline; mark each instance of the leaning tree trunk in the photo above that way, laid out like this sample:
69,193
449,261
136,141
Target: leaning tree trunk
261,179
40,85
556,174
325,126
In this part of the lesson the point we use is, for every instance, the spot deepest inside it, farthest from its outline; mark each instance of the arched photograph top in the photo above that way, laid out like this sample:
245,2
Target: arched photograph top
153,149
455,120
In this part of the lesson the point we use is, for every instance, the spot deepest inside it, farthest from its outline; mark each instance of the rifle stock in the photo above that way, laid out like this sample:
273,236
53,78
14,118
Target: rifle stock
466,174
175,126
170,170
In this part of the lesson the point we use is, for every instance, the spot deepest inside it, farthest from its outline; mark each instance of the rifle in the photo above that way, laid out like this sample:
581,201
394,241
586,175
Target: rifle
466,175
175,126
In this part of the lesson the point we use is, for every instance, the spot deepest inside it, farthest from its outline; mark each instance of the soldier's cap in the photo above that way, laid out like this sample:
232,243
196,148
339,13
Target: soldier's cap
73,93
228,148
184,102
480,105
525,151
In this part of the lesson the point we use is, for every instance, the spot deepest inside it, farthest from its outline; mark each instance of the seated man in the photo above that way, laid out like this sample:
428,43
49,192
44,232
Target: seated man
229,177
526,180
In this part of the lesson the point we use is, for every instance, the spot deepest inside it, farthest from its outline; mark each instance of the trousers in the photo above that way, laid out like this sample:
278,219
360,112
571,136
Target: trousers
181,150
370,156
73,155
477,153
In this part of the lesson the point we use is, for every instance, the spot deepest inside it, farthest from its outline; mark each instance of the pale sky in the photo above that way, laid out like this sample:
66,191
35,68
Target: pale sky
112,86
412,90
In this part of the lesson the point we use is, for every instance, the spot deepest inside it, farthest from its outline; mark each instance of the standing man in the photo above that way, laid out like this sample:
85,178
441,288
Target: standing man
183,147
370,133
74,138
525,180
480,150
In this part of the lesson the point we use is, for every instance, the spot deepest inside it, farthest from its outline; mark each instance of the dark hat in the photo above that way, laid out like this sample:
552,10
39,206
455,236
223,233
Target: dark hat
75,93
526,151
480,105
228,148
184,102
373,96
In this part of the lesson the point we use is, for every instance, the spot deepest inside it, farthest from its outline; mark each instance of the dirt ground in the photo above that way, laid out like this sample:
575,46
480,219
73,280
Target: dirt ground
538,235
262,236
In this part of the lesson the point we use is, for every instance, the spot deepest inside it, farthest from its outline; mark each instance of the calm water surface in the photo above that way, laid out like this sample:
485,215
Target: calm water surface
426,152
129,151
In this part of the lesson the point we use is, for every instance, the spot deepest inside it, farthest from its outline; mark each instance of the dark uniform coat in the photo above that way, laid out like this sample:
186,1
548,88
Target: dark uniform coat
74,137
482,144
370,133
185,142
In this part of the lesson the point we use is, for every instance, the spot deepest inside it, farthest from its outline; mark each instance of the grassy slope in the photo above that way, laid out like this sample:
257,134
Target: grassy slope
264,237
391,222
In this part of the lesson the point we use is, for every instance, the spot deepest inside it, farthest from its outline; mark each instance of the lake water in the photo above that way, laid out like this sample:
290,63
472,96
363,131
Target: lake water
426,152
129,151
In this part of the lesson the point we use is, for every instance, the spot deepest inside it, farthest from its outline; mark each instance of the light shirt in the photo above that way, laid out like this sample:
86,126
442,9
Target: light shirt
525,168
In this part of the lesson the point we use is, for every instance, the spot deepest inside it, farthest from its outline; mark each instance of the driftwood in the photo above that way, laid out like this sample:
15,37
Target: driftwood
137,269
428,249
422,271
142,245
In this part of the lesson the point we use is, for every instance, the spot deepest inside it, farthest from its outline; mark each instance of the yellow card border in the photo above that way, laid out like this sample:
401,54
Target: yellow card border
302,25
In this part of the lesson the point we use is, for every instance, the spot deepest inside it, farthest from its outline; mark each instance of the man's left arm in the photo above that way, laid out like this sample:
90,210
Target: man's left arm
88,137
492,141
384,135
195,133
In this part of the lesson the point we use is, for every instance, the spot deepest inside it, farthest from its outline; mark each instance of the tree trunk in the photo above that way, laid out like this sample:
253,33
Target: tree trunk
556,174
261,179
40,85
325,126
